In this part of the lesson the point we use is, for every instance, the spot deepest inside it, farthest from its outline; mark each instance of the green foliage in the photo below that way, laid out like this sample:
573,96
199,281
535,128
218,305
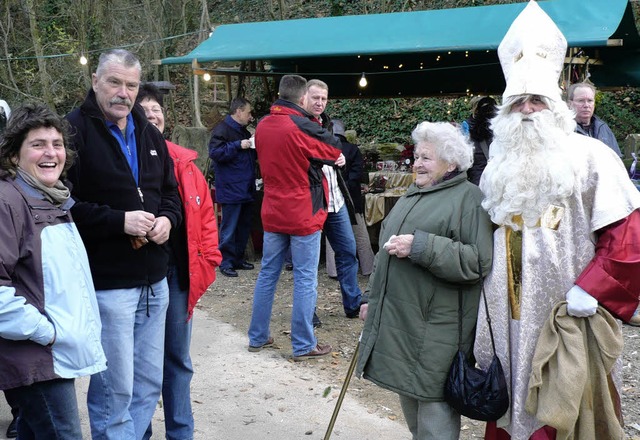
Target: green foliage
620,110
392,120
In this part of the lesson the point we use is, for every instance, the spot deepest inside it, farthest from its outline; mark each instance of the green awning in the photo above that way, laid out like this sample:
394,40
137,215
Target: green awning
448,51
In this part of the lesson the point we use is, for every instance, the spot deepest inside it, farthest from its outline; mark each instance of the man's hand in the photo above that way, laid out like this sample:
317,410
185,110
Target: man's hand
341,161
138,223
399,245
245,144
580,304
159,233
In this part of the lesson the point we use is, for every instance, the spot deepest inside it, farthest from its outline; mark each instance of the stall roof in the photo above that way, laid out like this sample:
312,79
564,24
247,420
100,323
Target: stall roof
425,53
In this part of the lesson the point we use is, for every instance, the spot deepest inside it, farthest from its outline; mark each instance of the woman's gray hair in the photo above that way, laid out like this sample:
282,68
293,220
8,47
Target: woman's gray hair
449,144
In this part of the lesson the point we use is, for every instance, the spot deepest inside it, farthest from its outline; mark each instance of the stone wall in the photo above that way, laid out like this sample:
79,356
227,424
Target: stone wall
194,138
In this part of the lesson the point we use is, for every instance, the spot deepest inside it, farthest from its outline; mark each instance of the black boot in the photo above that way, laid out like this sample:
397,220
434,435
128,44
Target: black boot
12,429
316,321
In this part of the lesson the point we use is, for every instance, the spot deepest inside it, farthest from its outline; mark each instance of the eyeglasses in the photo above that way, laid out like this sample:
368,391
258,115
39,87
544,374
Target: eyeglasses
155,109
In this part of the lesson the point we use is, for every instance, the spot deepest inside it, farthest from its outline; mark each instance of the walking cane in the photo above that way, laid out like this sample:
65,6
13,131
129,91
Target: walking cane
343,391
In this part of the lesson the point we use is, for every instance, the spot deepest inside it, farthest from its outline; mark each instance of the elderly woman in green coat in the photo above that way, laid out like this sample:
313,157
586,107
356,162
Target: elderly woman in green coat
437,244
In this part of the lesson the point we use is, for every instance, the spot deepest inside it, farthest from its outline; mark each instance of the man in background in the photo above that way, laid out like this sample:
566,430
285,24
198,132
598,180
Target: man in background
352,175
234,165
127,203
337,227
291,150
581,97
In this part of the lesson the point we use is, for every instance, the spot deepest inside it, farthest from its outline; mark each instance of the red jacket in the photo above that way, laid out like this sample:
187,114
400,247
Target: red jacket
200,221
291,151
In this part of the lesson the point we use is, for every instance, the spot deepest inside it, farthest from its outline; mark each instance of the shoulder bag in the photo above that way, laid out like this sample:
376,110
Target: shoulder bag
475,393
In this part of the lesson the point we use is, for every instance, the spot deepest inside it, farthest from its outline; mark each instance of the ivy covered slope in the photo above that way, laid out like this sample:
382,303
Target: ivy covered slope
391,120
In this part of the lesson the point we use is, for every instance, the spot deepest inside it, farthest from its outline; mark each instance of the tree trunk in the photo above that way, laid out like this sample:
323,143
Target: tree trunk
204,26
7,78
45,80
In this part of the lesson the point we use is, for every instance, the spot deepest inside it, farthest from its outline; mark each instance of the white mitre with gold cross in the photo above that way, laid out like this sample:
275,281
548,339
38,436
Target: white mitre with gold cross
532,55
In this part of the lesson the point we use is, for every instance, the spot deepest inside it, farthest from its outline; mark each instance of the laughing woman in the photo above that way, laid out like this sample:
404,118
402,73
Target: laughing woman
49,321
437,244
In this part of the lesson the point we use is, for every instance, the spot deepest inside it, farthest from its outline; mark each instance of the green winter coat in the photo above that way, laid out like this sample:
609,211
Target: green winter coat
411,332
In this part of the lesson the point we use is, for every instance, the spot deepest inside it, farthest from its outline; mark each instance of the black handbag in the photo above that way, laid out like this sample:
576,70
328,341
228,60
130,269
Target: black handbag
472,392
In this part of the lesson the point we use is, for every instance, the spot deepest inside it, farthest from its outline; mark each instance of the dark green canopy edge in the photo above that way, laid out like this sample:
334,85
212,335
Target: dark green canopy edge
425,53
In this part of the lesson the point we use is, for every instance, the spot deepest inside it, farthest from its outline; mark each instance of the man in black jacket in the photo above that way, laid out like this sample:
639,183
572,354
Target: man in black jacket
352,175
337,227
126,204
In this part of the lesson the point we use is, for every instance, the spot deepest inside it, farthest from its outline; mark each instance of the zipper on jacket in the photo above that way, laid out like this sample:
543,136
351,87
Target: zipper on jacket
140,194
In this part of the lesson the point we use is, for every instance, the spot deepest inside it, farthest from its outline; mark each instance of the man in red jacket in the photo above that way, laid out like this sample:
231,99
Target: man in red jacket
291,151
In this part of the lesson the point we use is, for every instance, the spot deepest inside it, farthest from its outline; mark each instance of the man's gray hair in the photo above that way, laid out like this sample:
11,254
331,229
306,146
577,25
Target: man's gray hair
449,144
117,56
572,89
238,103
318,83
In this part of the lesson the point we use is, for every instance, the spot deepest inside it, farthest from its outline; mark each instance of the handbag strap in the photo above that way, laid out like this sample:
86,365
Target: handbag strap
486,308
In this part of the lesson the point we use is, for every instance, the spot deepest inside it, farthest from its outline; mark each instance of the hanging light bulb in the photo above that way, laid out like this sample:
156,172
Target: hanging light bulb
206,77
83,60
363,81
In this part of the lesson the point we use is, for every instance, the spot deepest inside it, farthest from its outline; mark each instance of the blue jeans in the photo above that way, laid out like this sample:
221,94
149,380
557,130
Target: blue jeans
235,228
339,232
305,252
178,370
122,399
48,410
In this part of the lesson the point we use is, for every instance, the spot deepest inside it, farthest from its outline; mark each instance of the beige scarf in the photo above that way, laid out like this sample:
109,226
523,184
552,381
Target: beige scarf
58,194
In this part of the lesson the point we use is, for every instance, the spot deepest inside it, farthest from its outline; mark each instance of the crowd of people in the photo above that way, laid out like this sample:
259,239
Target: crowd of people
109,239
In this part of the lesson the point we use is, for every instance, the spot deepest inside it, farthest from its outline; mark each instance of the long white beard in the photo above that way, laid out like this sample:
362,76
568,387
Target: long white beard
529,168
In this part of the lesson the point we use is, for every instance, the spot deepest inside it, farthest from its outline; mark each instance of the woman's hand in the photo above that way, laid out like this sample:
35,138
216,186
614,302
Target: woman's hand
399,245
364,309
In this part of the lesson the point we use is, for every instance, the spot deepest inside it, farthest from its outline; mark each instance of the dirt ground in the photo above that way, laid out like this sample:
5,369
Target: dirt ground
230,299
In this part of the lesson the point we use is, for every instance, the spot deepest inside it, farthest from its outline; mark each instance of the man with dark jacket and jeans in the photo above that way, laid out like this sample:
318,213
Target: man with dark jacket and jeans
234,161
126,205
341,214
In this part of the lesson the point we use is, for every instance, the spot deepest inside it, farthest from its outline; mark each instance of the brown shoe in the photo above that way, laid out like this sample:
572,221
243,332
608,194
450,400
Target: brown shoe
320,350
267,344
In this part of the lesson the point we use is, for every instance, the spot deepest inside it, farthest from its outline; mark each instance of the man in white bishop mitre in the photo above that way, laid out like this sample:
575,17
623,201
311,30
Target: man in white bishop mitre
567,229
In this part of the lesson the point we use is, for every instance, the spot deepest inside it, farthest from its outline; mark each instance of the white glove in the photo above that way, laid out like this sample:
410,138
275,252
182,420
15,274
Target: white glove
580,304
